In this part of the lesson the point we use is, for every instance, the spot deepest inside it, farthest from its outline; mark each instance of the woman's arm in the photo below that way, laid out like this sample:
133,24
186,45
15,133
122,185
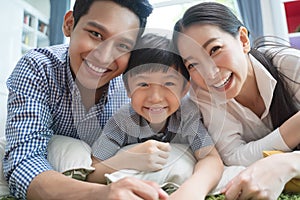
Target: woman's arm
207,173
262,180
288,62
290,131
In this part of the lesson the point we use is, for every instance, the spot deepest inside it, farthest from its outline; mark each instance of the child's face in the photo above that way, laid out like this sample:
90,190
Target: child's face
156,95
100,43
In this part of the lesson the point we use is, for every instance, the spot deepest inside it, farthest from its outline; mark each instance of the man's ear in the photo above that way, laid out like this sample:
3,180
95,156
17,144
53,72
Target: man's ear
68,23
243,32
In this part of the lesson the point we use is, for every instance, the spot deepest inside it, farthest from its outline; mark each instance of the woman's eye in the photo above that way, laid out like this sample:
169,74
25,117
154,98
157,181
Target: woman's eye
214,50
191,66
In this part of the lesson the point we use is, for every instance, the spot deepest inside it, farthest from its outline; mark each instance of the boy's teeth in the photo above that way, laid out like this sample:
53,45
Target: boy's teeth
155,109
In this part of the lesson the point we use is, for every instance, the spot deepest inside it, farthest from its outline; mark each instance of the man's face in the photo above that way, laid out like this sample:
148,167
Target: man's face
101,42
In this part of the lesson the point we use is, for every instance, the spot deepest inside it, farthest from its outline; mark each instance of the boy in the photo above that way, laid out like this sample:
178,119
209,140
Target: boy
68,90
156,81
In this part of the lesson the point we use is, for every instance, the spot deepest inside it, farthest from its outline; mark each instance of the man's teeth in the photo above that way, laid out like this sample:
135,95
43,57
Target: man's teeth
97,69
223,82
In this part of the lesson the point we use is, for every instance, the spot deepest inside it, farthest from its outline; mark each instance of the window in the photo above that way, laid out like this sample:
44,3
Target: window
167,12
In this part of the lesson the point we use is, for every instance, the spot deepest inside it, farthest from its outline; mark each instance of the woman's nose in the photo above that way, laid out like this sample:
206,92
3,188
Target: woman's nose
208,69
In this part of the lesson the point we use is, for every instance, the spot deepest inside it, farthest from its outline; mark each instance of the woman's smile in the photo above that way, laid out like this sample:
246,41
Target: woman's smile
225,83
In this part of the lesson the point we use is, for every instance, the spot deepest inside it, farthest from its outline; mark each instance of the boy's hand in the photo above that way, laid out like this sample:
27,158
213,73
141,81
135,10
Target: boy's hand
151,155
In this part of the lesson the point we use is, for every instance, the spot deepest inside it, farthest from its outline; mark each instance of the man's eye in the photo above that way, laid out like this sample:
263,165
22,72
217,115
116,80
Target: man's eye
96,34
125,47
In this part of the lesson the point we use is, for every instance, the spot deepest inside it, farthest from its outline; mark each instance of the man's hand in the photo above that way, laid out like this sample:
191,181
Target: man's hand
132,188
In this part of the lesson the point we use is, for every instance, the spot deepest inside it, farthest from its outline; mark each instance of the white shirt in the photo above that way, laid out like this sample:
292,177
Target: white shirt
240,135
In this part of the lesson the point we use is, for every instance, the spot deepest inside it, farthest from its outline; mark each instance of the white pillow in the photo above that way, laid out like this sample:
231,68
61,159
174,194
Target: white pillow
179,168
67,153
64,153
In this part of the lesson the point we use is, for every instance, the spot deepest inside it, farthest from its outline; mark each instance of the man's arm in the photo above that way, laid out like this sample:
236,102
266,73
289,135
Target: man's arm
53,185
27,127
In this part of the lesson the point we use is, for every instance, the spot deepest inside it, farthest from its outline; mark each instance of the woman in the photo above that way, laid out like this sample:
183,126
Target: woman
249,97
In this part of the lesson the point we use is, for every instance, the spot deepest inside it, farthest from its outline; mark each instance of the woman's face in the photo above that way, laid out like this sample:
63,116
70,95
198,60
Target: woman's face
216,60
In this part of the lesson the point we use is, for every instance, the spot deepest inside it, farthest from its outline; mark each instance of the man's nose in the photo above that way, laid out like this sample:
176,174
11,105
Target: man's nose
104,53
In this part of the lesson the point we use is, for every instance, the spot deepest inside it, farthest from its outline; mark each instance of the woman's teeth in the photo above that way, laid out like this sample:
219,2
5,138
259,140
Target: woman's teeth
223,82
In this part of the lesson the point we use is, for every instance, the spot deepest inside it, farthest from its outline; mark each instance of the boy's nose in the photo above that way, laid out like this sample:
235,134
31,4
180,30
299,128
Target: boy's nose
156,93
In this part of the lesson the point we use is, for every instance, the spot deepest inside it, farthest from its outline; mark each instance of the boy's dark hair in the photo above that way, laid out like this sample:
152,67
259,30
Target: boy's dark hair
142,8
154,53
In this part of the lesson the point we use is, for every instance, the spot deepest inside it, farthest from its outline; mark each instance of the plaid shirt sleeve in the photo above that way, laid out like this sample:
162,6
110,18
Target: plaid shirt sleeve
27,129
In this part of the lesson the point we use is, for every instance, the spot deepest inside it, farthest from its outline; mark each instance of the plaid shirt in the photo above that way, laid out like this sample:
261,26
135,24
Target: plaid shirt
44,100
127,127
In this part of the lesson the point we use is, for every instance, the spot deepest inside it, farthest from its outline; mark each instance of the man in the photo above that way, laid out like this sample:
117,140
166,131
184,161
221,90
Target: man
68,90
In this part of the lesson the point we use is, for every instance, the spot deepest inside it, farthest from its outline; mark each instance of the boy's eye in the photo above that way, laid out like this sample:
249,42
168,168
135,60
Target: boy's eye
142,84
214,50
169,84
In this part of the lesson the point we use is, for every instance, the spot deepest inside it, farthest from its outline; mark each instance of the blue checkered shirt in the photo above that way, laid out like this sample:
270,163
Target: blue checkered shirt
44,100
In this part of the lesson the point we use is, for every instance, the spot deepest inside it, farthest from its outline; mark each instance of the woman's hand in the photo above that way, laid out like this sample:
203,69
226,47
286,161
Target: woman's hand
265,179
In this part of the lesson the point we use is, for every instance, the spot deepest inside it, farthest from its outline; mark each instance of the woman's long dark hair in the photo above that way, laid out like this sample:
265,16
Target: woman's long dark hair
282,106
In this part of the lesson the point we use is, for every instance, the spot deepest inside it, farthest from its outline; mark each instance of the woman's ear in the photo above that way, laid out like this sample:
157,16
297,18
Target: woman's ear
243,33
68,23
